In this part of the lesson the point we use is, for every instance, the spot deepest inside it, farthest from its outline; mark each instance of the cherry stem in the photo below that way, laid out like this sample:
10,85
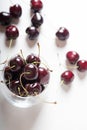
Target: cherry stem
61,82
11,67
44,101
35,62
10,44
38,49
19,92
47,67
3,62
50,102
72,67
22,83
23,56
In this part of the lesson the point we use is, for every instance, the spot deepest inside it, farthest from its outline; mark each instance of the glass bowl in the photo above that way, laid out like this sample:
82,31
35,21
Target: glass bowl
19,101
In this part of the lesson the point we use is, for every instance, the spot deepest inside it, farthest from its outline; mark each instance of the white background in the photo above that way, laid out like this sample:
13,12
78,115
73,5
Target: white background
71,111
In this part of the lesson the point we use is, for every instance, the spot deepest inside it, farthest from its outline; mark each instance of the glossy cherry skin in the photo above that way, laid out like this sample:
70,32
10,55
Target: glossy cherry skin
15,11
82,65
8,73
72,57
32,32
67,77
5,18
12,32
37,20
33,59
36,5
16,63
13,86
33,89
44,75
30,72
43,87
62,34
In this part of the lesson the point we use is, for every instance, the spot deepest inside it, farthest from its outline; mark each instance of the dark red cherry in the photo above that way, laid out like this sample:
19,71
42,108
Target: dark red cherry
72,57
43,87
82,65
7,73
44,75
5,18
33,89
62,33
37,20
12,32
30,72
33,59
67,77
16,63
13,86
32,32
36,5
15,11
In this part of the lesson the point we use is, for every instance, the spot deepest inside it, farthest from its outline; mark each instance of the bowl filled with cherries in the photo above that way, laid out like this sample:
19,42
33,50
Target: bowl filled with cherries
24,80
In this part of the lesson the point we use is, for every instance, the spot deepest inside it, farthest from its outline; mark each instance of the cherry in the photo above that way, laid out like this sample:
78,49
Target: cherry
33,59
5,18
25,77
43,76
14,85
15,11
32,32
62,33
11,32
82,65
67,77
43,87
37,20
36,5
72,57
16,63
33,89
30,72
7,73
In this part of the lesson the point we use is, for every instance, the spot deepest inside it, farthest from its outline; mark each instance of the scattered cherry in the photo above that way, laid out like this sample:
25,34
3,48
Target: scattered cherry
36,5
37,20
5,18
11,32
62,33
32,32
82,65
72,57
43,76
33,59
16,63
15,11
67,77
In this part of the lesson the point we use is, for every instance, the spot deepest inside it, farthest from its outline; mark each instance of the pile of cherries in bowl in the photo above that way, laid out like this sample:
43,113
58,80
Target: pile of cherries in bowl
26,77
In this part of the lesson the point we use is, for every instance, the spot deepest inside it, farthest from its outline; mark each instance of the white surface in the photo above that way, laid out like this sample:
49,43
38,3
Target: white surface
71,111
